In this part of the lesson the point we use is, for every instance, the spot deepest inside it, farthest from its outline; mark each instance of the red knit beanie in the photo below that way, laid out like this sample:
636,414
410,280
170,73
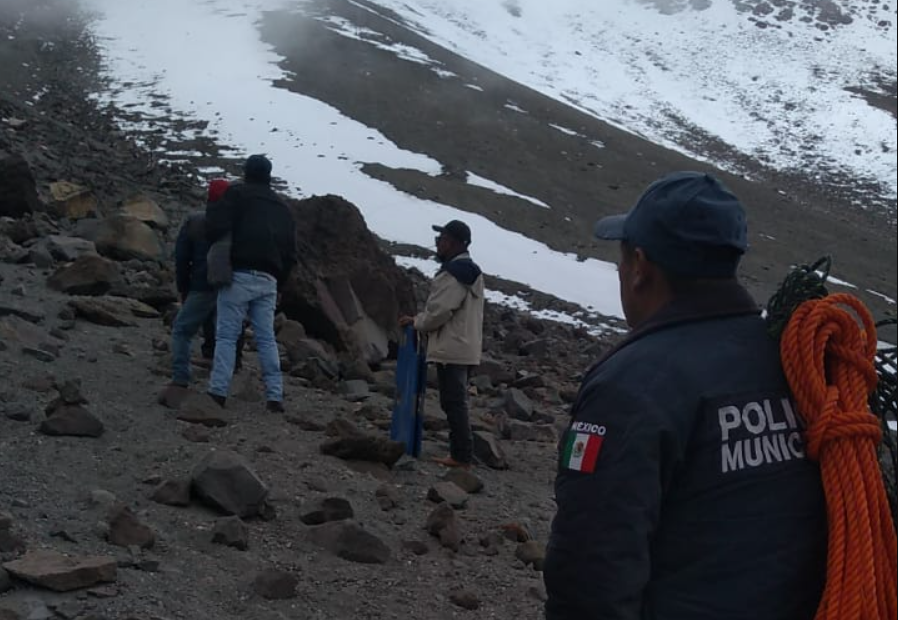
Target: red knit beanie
217,189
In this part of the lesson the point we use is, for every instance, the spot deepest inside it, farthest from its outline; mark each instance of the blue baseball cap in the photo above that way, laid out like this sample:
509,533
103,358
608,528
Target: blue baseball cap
688,223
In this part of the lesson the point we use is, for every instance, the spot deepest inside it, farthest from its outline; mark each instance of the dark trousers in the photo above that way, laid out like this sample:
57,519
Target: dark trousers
453,384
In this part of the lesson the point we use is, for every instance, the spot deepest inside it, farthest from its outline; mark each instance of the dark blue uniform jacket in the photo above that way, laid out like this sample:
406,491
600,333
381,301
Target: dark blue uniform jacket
683,489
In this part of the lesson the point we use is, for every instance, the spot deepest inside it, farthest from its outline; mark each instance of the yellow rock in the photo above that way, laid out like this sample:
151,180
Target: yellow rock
73,201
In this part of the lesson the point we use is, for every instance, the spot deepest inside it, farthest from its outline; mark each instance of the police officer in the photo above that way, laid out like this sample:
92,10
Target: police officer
683,492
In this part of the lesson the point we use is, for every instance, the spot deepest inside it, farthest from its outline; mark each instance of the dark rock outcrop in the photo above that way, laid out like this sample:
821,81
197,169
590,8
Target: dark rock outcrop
346,290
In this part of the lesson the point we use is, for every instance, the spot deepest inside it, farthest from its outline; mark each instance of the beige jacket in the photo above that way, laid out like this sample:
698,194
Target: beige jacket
453,319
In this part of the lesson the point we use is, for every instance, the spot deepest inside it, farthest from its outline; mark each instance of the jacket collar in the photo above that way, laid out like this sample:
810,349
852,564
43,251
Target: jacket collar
459,256
716,299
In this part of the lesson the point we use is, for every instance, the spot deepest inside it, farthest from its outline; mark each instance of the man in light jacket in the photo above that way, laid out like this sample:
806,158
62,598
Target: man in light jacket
452,320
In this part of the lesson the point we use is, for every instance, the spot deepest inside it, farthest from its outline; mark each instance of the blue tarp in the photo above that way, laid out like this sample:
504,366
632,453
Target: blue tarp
407,424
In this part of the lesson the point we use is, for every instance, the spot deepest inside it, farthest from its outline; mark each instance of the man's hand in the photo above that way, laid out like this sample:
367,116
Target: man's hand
406,320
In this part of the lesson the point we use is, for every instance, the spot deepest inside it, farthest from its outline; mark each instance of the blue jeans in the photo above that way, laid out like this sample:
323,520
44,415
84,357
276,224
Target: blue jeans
252,294
198,307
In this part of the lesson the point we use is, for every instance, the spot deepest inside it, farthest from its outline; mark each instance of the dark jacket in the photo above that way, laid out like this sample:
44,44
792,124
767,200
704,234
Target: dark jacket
262,228
190,255
683,491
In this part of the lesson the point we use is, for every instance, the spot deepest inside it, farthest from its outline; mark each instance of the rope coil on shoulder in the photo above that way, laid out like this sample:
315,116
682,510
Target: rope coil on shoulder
829,348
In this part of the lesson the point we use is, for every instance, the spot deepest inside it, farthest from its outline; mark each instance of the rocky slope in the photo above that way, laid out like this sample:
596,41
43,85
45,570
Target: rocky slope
119,500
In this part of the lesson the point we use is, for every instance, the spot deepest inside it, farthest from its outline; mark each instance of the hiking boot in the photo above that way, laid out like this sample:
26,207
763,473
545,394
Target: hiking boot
275,406
448,461
220,400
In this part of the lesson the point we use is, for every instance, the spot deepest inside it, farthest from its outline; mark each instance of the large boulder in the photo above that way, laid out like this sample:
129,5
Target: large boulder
123,237
18,195
346,290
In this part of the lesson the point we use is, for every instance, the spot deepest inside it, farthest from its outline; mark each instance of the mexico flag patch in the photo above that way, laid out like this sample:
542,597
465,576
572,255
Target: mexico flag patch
582,449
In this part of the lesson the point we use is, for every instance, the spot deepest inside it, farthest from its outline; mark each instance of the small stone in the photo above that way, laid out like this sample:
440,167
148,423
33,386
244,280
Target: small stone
42,384
492,540
196,434
172,493
52,570
17,413
63,535
70,392
350,541
489,451
125,529
448,492
516,532
69,610
341,427
153,479
329,509
538,592
224,480
465,599
274,584
518,405
365,448
148,565
10,543
443,524
101,497
39,354
355,390
316,483
465,480
122,349
59,333
231,532
417,547
201,409
387,497
72,420
103,592
533,553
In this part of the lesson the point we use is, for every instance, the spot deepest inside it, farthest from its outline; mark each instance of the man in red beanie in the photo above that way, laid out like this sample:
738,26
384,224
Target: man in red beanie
198,298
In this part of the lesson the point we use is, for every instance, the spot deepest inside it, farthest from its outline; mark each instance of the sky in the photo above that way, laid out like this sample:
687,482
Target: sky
622,61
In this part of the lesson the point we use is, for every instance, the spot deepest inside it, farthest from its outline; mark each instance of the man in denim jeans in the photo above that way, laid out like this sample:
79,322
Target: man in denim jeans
452,320
263,252
198,298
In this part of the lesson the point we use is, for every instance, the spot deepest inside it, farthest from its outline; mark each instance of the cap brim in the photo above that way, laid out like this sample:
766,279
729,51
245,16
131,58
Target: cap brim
610,228
438,229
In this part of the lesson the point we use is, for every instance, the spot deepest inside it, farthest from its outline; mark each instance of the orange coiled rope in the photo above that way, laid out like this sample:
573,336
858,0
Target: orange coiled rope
828,359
